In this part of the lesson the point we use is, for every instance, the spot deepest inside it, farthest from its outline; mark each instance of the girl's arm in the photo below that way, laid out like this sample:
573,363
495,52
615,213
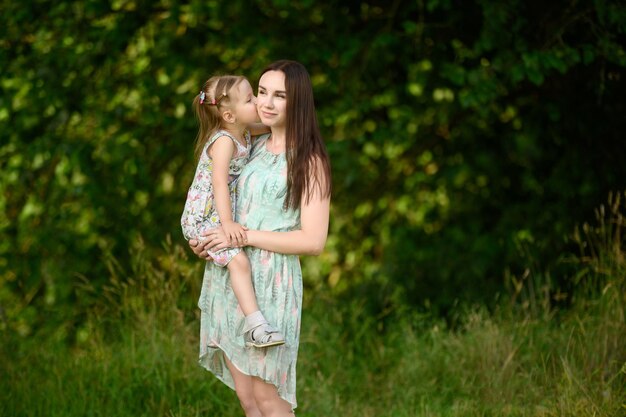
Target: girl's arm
257,129
221,152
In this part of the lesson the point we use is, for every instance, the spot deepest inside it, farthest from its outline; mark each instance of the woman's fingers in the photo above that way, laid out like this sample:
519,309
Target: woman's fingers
197,247
217,240
209,237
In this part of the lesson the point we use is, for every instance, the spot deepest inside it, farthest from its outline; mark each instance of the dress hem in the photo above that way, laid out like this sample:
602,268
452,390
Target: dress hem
201,362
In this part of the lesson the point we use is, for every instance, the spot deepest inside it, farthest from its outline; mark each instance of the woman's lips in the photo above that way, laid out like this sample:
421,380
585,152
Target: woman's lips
268,115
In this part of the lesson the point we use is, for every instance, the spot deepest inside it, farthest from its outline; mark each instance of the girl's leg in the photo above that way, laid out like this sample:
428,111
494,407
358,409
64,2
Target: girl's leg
268,400
257,331
241,281
244,390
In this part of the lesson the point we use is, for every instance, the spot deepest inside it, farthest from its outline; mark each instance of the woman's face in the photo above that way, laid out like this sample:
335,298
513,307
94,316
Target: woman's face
272,99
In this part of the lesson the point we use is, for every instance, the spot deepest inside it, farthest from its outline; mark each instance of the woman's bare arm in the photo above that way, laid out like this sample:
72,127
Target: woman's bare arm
308,240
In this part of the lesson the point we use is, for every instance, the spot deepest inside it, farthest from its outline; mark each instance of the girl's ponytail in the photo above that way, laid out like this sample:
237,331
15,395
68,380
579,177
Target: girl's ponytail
207,105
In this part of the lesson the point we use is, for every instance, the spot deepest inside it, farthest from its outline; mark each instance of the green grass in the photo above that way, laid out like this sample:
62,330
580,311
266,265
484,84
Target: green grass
136,354
495,365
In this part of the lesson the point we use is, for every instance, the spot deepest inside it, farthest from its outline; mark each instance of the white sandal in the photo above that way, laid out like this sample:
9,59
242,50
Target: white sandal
262,335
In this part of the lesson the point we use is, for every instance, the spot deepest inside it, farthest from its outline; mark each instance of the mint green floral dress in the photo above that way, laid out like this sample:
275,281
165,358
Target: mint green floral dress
277,280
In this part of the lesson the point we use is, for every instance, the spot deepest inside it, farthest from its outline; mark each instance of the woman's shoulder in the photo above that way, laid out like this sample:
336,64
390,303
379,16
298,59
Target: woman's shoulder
261,138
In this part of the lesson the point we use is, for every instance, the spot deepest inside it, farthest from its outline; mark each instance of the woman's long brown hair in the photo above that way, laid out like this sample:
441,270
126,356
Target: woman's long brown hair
308,165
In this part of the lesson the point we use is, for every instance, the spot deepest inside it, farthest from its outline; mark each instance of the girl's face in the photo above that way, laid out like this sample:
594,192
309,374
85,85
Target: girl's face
245,104
272,99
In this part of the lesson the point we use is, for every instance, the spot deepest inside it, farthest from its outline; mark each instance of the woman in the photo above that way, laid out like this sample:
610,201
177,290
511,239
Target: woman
283,199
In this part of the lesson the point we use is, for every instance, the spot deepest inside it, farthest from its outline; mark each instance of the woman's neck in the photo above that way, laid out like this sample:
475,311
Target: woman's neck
278,137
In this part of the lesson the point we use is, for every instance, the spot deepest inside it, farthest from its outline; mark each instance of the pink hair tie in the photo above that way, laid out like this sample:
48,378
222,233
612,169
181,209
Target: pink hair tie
216,101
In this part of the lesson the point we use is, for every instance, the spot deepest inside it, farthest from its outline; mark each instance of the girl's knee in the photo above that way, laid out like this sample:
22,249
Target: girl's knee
240,263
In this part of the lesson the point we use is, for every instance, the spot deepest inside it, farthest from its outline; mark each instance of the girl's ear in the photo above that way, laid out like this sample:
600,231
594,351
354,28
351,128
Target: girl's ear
228,116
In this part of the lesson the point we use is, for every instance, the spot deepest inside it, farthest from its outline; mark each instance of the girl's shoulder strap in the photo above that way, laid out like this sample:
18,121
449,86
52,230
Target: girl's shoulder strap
219,134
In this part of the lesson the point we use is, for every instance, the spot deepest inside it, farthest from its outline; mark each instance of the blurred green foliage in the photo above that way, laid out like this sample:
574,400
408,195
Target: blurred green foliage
458,132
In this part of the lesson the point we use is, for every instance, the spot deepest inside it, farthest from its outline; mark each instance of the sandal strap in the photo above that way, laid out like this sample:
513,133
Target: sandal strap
253,326
266,337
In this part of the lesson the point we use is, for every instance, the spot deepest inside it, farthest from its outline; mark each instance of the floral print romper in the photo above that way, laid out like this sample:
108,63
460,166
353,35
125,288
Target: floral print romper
200,211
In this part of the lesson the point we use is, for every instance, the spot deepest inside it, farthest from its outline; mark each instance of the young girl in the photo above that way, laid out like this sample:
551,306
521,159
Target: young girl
225,108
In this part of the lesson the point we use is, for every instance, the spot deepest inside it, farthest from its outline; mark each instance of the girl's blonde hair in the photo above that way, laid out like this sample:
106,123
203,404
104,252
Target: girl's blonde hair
207,105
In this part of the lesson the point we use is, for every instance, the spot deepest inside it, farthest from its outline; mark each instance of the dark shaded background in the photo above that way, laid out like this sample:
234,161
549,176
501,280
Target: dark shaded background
467,138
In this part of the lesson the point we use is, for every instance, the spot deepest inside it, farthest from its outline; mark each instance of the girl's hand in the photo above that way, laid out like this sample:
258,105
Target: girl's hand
235,233
216,239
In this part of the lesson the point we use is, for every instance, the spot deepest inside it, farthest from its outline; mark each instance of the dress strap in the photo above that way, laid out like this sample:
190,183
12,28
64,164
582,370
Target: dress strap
263,137
259,144
219,134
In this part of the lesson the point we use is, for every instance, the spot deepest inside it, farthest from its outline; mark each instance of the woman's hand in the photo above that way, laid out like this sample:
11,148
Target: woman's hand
216,239
199,249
